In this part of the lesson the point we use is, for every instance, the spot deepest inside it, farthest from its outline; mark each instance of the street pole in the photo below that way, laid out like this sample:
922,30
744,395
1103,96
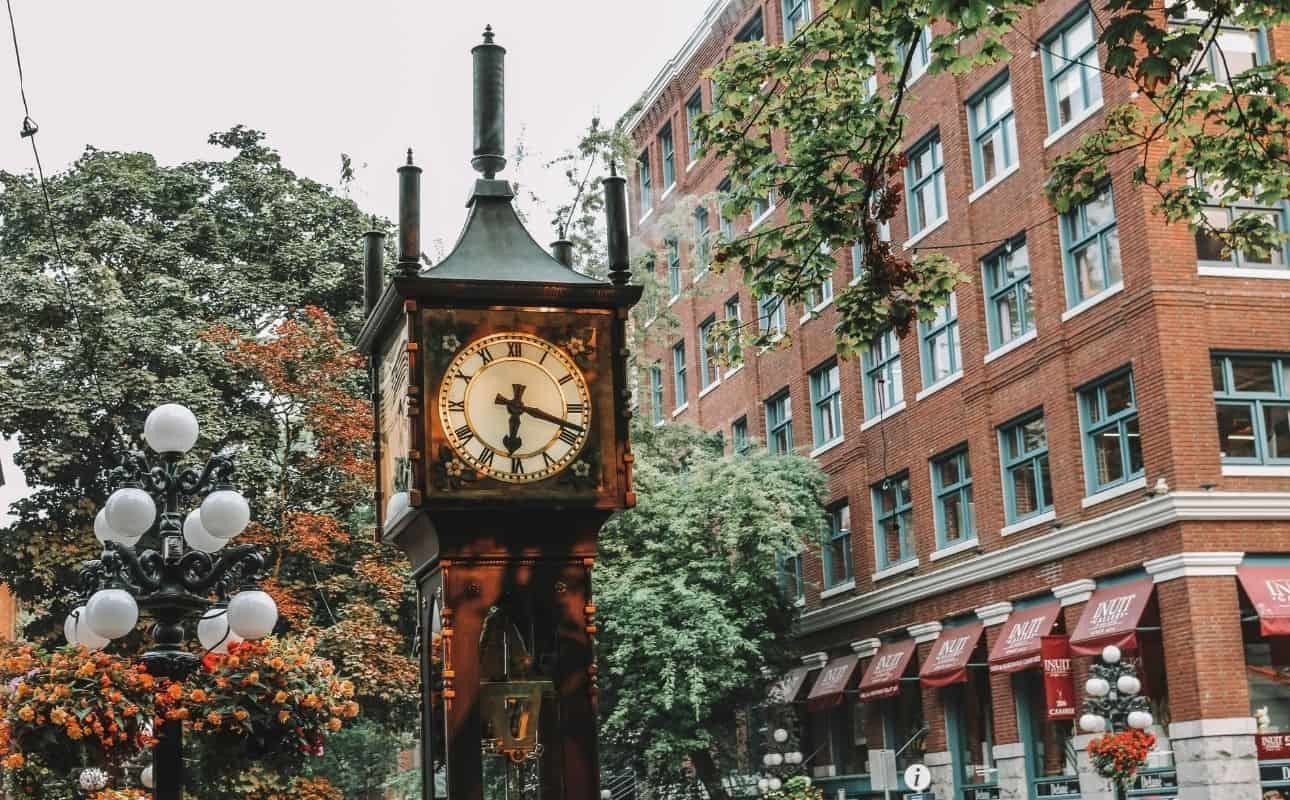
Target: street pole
168,761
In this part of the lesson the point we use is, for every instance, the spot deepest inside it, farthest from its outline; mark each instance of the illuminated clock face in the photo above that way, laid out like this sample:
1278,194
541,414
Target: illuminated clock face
515,407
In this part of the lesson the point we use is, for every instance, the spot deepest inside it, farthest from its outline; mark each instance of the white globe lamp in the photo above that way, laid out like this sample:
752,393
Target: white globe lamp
130,512
213,632
793,758
775,759
1111,654
170,428
1097,687
104,532
252,614
398,503
1128,685
225,513
763,786
198,537
79,633
145,777
1140,719
775,784
765,760
111,613
1092,723
780,735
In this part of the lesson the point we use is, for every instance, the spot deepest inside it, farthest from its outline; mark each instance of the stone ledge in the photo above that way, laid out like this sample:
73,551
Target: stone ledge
1200,728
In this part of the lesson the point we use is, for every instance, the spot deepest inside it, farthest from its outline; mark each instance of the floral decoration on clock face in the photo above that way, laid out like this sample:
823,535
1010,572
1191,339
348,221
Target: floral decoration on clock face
515,407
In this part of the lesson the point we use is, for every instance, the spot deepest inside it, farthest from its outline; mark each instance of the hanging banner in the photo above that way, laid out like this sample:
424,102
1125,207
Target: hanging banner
1059,680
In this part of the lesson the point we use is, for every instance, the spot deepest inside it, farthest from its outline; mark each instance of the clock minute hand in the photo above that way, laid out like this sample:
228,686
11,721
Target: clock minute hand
552,418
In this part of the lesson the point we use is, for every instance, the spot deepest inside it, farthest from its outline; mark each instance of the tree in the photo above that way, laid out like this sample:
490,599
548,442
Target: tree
694,625
840,172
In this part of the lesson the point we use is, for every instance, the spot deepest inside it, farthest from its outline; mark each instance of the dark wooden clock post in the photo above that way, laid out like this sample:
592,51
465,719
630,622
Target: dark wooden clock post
501,407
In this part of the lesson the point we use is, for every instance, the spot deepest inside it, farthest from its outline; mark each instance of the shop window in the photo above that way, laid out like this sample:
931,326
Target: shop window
1112,442
904,726
779,424
952,490
1091,244
883,388
893,521
826,405
1267,673
1027,485
925,177
1072,74
969,726
1252,401
837,549
1009,304
1051,758
993,131
847,744
939,339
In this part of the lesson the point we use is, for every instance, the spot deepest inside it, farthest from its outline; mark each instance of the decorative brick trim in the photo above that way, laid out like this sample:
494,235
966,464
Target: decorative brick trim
925,631
994,613
866,648
815,660
1191,565
1075,592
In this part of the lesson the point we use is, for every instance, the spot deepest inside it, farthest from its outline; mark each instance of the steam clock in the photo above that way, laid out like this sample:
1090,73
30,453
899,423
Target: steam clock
501,414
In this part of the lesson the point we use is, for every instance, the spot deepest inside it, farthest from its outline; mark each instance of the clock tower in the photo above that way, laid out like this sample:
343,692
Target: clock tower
501,417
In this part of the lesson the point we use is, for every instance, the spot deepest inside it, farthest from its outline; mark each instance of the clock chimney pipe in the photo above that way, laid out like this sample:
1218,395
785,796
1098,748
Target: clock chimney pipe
562,251
616,225
490,106
373,268
409,217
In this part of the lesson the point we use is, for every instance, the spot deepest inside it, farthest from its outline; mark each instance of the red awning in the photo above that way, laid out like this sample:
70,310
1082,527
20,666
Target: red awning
947,661
1269,589
1111,617
786,689
832,682
882,678
1017,647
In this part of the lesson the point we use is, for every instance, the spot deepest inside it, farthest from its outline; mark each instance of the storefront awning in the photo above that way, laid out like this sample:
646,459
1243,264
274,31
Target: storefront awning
1111,617
786,689
1268,587
1017,647
947,661
832,683
882,677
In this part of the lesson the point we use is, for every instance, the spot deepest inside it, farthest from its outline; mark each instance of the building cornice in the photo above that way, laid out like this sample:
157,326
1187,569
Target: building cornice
1062,543
678,62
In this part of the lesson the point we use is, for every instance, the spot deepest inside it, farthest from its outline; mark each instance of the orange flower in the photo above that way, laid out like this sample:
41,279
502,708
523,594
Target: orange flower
197,696
283,716
277,663
251,678
280,698
333,724
214,718
175,691
14,761
240,714
26,714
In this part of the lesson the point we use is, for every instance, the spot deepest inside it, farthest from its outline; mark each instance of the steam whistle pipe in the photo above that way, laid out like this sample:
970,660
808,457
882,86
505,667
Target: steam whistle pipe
490,105
616,225
409,217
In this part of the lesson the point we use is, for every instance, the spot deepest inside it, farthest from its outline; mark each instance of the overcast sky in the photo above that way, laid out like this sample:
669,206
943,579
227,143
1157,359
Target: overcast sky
322,77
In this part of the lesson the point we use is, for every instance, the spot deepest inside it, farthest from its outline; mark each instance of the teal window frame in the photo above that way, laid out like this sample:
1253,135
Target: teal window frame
818,296
835,556
922,55
771,317
734,315
679,388
779,423
1221,217
656,393
693,110
702,230
796,14
673,268
709,371
857,251
957,490
944,328
1213,63
983,127
667,149
791,580
740,443
1004,286
915,183
1015,454
646,182
1258,404
826,403
1026,683
725,224
883,375
1059,58
754,30
761,208
1079,233
1097,420
900,513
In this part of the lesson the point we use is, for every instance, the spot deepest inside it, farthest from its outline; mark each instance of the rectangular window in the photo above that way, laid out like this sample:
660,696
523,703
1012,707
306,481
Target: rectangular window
925,177
739,436
693,110
754,31
882,375
725,224
735,318
939,340
669,157
779,424
796,14
922,55
1233,51
709,371
762,208
656,393
1091,245
646,183
952,498
993,132
701,234
826,405
893,521
1112,444
790,577
820,295
1252,400
858,254
673,267
1072,74
1027,485
1209,248
837,550
1009,304
770,315
678,373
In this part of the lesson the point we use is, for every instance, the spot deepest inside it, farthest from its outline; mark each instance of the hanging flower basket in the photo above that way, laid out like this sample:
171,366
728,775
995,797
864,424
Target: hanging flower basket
1119,756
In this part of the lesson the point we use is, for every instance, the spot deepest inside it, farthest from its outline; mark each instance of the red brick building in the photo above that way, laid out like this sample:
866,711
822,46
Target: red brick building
1093,441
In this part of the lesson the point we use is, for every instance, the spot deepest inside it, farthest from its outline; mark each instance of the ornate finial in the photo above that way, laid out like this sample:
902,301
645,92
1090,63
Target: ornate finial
613,168
409,156
488,34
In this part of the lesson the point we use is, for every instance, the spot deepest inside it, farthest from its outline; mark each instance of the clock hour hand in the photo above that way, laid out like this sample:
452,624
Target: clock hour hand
552,418
514,407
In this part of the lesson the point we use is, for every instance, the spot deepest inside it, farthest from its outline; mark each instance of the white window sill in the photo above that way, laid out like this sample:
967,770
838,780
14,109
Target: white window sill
647,215
679,409
667,192
993,182
846,586
893,571
707,390
815,311
1256,470
659,423
1003,350
941,384
826,447
856,279
1028,523
671,301
1275,274
925,232
799,602
1115,491
730,372
1072,125
955,549
690,166
762,218
891,412
1088,303
774,339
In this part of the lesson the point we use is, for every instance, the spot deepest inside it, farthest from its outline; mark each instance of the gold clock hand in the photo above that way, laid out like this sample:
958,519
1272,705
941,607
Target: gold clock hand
552,418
